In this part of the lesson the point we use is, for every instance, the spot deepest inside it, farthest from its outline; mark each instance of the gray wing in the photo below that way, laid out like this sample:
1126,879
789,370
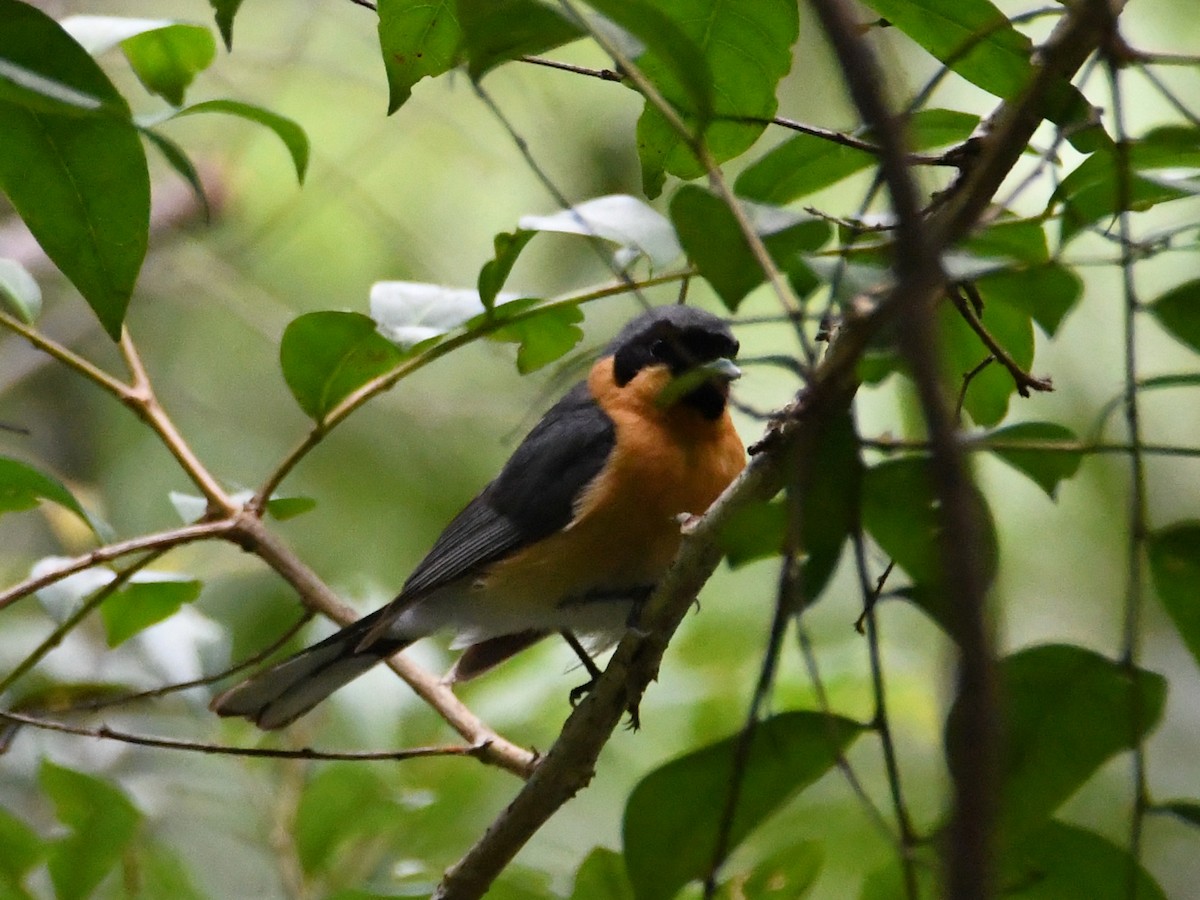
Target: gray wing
533,497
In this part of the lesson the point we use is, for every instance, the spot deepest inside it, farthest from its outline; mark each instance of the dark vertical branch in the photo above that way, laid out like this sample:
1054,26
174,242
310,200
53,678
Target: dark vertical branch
919,275
1137,476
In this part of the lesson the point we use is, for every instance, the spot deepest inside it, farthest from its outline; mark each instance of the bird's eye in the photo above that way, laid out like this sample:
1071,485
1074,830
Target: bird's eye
660,349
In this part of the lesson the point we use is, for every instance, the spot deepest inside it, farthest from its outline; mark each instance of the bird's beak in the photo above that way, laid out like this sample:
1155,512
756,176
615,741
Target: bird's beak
721,370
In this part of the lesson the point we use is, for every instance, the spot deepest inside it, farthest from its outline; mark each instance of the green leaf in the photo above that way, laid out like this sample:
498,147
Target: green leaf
1174,554
27,88
342,804
675,62
167,59
1178,311
283,508
496,31
1066,862
1046,292
22,486
602,876
182,164
747,48
20,848
292,135
224,11
673,814
143,602
754,532
829,505
716,245
1093,191
19,292
1065,712
1022,240
787,874
900,512
417,38
1184,810
326,356
976,40
159,872
989,392
1047,468
806,163
80,183
496,270
637,228
101,821
543,337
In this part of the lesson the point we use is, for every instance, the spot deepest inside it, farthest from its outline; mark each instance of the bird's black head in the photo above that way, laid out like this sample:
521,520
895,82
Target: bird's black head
695,346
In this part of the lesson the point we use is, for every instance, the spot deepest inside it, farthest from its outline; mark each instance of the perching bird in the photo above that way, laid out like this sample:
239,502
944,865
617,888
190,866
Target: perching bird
574,533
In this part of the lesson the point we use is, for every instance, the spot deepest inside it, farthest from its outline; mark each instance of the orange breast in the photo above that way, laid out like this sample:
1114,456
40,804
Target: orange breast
665,462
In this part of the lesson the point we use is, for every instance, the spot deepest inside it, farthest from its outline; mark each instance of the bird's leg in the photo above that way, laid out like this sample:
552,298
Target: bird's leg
578,693
581,691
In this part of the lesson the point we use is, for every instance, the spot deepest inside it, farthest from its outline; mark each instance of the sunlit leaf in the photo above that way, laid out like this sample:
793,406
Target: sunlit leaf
747,48
101,823
166,60
292,135
1066,862
636,228
144,601
1065,712
602,876
325,356
22,486
1047,468
411,312
717,246
418,38
496,31
755,531
1178,311
1174,554
19,293
79,182
1023,240
673,814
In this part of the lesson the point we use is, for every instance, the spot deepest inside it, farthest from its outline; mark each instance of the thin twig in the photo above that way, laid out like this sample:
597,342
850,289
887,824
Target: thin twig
967,309
104,732
602,74
70,359
158,541
1138,517
143,400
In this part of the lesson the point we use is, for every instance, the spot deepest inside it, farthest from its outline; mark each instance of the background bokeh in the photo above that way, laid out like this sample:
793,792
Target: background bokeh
418,196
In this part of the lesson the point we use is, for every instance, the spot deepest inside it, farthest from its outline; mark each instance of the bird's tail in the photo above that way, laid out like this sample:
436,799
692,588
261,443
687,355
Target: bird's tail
281,694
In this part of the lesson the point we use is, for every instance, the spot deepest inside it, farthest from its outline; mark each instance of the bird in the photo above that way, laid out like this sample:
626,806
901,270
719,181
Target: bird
571,537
